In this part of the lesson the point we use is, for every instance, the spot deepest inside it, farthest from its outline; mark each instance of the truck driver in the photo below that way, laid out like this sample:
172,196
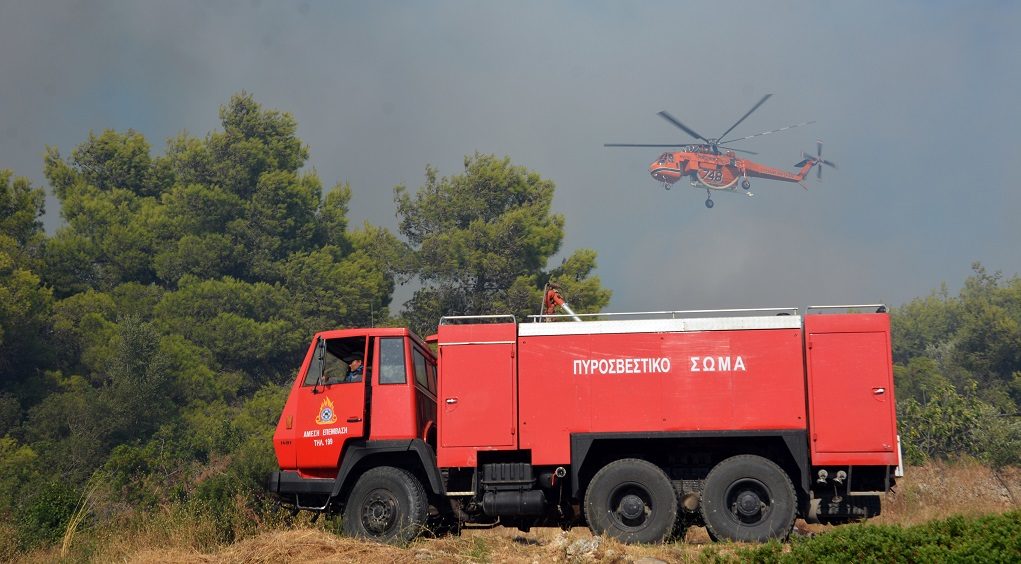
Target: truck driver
354,368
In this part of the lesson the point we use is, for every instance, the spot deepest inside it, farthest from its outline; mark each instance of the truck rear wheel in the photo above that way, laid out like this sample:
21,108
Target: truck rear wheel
748,498
631,500
387,504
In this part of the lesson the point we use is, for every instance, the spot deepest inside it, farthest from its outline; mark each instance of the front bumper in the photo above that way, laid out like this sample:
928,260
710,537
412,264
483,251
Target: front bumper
288,483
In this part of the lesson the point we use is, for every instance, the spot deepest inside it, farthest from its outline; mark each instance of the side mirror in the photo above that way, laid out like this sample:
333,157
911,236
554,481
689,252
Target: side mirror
321,362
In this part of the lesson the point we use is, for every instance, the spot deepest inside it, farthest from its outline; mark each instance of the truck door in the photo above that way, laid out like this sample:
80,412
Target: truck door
331,406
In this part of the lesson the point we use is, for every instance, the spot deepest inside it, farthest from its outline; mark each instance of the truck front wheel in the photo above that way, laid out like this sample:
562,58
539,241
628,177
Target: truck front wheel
387,504
631,500
748,498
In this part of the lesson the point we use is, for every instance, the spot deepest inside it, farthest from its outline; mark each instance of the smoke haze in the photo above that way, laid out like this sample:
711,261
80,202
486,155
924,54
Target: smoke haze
916,102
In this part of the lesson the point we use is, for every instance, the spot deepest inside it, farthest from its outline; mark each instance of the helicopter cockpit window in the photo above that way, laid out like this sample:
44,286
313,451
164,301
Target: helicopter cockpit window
665,157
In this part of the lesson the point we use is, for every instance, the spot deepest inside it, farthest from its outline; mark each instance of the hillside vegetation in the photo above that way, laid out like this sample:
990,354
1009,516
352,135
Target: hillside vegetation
146,346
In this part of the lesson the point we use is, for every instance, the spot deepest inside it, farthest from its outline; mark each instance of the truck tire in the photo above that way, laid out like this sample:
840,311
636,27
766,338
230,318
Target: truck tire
748,498
631,500
387,504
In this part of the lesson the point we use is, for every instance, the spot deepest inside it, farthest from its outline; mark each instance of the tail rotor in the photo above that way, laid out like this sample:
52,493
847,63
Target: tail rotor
817,159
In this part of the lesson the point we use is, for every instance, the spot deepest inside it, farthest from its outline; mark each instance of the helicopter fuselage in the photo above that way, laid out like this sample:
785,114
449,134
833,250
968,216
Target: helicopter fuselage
717,171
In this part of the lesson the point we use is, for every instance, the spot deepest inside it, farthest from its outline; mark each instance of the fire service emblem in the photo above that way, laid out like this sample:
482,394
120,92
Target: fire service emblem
326,414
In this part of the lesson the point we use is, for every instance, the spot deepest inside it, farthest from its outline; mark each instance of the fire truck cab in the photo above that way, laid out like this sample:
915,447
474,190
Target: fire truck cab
639,425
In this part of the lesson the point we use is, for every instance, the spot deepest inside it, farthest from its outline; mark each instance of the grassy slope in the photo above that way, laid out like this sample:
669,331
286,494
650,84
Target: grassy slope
931,492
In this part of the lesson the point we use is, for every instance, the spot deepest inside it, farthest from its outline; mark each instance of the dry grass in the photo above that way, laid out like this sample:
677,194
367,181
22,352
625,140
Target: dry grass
76,519
166,530
298,545
496,545
8,542
930,492
940,490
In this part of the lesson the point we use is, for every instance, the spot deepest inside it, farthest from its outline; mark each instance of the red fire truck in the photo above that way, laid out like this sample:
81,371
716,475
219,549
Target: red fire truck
638,425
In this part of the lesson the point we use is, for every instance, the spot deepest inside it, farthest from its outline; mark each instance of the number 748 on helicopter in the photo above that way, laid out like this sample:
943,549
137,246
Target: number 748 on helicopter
713,166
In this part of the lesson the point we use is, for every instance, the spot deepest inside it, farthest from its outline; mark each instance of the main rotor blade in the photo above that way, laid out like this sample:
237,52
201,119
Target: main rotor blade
640,145
685,128
769,132
739,150
755,107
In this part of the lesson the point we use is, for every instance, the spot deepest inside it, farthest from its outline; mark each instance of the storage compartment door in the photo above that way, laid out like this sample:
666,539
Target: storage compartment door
477,395
852,396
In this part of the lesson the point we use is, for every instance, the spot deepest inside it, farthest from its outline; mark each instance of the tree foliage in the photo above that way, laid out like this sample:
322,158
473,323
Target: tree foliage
25,303
482,241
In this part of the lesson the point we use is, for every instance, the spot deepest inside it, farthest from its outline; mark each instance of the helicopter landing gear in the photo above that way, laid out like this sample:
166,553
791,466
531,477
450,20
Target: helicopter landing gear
709,200
746,184
666,186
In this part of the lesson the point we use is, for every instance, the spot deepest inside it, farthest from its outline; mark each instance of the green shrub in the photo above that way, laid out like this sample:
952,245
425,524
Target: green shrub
993,538
44,517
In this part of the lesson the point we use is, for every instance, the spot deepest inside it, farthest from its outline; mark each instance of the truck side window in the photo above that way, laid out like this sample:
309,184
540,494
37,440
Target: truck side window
391,361
421,376
332,359
336,369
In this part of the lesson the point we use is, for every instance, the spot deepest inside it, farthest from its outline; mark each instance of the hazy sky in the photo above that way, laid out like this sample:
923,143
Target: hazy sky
916,101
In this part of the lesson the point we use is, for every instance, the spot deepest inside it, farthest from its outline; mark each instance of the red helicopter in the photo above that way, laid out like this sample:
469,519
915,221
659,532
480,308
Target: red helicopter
709,167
